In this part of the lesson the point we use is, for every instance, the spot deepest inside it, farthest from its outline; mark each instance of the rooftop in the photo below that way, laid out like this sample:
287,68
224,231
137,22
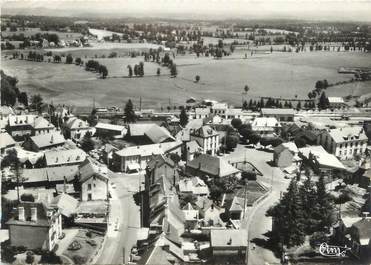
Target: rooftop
323,158
228,238
69,156
42,218
204,131
273,111
340,135
50,139
265,122
212,165
108,126
6,140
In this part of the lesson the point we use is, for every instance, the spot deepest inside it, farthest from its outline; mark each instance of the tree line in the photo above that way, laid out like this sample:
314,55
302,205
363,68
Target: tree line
305,209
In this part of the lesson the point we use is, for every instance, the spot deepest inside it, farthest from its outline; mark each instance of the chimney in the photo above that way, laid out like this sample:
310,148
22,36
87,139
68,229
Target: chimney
21,213
34,214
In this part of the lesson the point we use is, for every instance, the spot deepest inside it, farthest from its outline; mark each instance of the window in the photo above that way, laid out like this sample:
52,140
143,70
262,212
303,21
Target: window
89,186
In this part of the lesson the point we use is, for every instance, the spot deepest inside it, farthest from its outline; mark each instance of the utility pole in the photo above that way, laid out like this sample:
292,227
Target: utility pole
140,103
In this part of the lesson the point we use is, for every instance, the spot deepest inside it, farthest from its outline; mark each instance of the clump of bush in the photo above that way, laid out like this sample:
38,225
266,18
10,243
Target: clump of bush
49,257
77,259
74,246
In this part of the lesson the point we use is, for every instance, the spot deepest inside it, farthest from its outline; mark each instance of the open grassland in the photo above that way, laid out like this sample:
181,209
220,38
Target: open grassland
278,75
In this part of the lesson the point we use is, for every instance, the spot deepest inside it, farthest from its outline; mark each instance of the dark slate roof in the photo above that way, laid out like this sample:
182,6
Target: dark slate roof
158,161
364,228
42,218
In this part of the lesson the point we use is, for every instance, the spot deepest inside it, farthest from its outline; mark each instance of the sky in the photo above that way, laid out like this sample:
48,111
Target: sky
356,10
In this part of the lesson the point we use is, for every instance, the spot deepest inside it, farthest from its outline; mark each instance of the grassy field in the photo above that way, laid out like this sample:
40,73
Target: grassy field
278,74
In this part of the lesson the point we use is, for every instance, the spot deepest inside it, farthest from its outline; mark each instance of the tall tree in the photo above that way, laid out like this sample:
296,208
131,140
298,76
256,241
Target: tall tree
324,208
87,143
37,102
130,116
288,217
323,101
183,118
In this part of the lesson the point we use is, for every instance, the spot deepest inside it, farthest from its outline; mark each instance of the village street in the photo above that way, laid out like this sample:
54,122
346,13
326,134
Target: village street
259,224
125,219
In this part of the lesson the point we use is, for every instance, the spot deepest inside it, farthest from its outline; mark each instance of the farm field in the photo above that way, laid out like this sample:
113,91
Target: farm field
279,75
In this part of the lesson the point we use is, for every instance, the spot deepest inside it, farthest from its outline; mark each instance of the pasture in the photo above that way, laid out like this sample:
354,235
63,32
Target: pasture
278,75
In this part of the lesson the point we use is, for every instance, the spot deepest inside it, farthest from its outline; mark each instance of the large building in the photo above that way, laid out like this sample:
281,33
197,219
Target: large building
344,143
35,226
283,115
44,141
20,126
207,138
135,158
75,128
94,181
212,166
266,126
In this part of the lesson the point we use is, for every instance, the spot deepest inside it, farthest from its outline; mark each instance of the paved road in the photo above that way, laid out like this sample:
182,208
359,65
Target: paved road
259,224
127,215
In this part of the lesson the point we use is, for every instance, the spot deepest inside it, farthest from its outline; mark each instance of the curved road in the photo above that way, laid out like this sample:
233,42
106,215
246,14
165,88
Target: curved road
259,224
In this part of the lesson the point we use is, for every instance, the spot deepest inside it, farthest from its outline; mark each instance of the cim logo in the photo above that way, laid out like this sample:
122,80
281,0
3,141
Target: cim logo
332,251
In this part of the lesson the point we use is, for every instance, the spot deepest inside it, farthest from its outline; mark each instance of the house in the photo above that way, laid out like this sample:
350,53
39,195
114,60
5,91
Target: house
194,186
202,113
360,236
48,177
174,221
160,165
211,214
6,142
211,166
219,108
282,115
42,126
75,128
108,153
344,143
155,195
285,154
319,158
160,176
64,157
266,126
35,226
207,138
6,111
190,149
135,158
20,126
44,141
229,243
110,130
237,208
233,113
150,133
336,102
191,216
94,181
